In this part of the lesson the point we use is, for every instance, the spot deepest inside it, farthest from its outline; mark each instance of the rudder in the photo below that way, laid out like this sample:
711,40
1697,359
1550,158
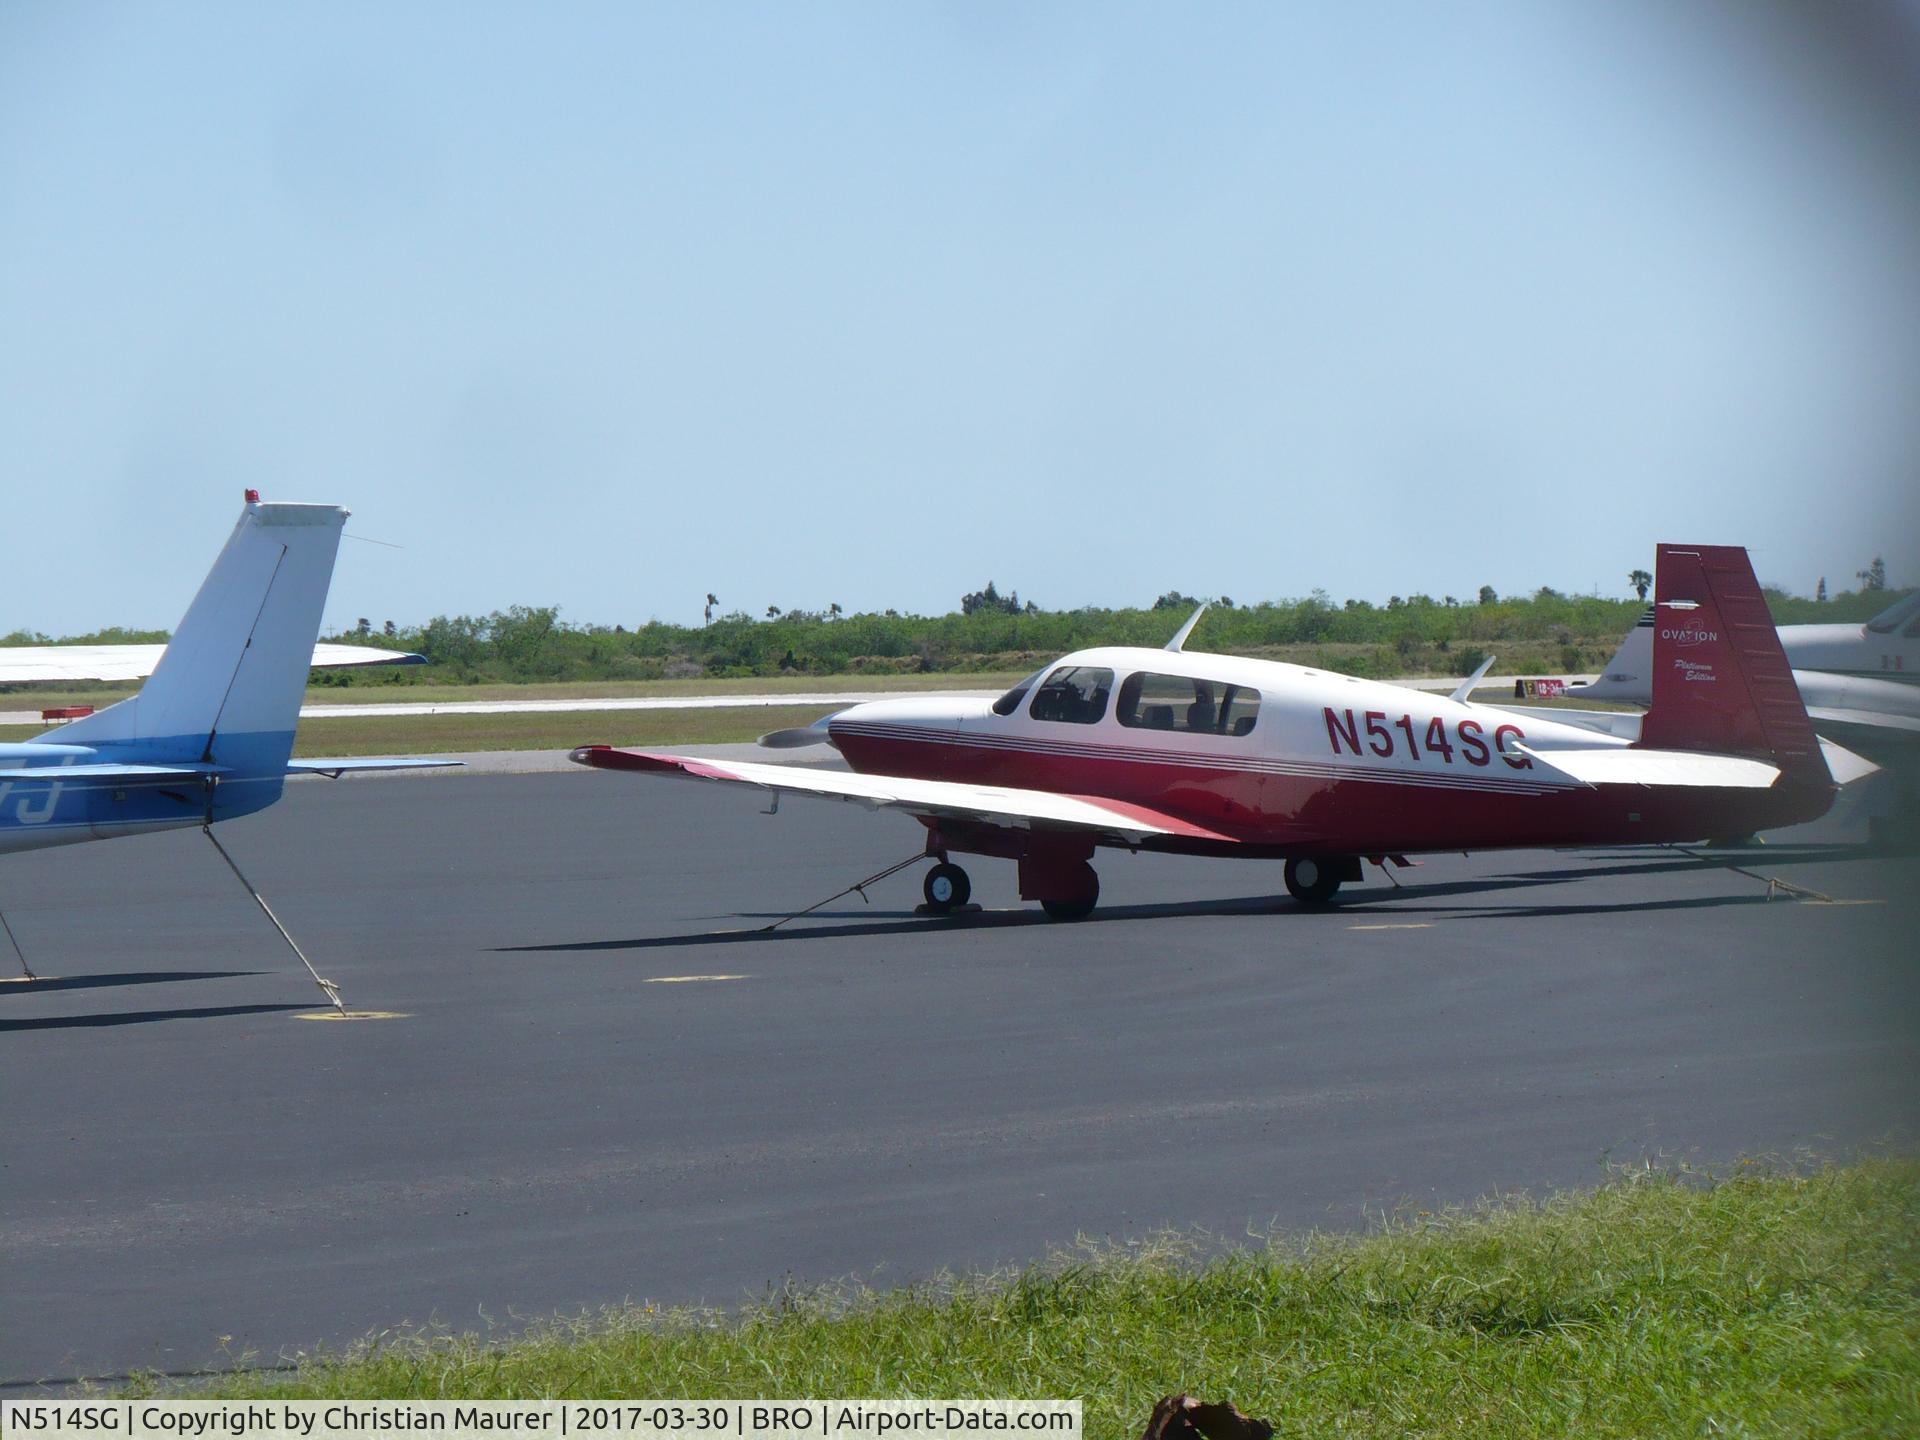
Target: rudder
1721,681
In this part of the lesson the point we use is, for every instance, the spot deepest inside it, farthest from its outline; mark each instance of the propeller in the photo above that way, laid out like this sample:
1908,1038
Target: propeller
814,734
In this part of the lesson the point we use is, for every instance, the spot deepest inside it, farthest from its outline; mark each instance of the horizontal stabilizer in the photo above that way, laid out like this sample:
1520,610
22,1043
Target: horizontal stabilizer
109,770
1623,765
337,768
994,804
1845,766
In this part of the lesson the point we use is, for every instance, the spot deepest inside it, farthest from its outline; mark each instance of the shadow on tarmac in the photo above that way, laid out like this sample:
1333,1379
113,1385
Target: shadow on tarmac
1406,899
46,984
142,1017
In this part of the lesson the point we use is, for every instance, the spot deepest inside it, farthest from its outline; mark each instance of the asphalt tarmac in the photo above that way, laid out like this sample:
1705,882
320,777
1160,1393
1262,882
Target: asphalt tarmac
191,1174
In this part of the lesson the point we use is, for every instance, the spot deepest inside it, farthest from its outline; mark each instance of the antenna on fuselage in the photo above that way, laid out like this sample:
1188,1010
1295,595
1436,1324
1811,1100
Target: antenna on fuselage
1180,637
1464,690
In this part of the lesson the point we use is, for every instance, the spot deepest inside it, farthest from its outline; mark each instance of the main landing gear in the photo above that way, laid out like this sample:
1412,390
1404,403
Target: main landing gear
1073,890
1053,870
1078,899
1313,880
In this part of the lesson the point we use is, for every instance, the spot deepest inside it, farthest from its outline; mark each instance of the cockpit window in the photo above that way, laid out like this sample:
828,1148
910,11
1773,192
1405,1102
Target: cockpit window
1178,702
1010,702
1896,615
1074,694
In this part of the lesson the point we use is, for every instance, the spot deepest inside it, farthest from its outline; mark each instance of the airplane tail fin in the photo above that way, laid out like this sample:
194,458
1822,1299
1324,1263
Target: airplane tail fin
227,691
1721,681
1625,676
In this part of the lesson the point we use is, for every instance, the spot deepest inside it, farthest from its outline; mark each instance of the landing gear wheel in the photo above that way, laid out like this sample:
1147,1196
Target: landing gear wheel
1081,905
1311,881
946,887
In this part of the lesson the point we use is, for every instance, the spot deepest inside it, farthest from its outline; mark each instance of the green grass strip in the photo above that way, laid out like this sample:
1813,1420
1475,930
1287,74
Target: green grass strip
1660,1304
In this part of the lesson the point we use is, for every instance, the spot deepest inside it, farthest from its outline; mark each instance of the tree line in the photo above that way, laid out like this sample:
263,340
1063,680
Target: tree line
1546,631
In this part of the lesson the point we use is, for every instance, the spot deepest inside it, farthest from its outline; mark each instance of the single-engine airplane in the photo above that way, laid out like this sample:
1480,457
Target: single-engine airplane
1217,755
210,736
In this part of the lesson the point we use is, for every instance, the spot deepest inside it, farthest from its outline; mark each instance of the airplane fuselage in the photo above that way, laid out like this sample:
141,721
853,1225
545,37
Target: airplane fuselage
1855,650
1286,760
69,806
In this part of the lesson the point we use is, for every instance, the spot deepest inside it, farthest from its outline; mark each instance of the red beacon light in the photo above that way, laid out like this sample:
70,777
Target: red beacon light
253,497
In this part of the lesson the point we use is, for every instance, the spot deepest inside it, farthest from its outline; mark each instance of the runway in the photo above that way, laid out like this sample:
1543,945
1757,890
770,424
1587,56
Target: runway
189,1174
731,701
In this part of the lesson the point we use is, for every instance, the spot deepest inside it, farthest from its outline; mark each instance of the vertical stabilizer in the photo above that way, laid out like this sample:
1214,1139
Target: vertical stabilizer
1721,682
228,689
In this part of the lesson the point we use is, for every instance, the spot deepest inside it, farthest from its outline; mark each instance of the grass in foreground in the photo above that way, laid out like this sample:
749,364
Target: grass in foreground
1770,1304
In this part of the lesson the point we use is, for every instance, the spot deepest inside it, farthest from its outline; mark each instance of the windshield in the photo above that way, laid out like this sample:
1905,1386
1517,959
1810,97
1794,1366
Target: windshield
1073,695
1010,702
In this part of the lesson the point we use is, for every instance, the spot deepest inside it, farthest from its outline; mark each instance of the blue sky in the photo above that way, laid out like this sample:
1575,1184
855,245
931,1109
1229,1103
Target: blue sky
610,306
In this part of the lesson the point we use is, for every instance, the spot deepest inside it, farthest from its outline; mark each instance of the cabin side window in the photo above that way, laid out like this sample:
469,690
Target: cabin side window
1074,695
1180,703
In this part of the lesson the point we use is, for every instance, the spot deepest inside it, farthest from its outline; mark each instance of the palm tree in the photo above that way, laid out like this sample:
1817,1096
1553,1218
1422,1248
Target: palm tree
1641,582
712,600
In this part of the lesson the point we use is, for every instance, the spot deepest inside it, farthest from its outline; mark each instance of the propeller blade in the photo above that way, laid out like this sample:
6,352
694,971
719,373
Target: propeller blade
814,734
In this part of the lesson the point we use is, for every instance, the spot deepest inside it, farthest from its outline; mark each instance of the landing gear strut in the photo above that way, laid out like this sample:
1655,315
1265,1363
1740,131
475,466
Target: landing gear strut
947,888
1313,881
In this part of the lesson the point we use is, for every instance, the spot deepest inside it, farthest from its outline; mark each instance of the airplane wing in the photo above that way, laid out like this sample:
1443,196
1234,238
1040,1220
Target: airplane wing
328,656
1864,719
1015,809
31,664
334,769
109,770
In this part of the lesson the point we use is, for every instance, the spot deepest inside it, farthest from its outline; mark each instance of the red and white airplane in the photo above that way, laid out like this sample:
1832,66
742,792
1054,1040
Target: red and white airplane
1216,755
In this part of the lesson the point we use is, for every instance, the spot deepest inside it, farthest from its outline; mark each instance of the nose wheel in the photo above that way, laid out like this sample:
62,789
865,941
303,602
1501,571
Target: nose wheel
947,888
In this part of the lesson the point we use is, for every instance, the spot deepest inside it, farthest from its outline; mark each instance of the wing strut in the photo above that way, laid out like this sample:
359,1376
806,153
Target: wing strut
26,970
327,987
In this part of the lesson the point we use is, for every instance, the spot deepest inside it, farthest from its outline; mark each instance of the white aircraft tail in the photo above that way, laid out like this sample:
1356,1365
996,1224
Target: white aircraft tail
1628,676
228,689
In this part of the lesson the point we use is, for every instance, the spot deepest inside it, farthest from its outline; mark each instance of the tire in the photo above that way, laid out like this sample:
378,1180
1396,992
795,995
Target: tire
1312,881
1081,906
946,887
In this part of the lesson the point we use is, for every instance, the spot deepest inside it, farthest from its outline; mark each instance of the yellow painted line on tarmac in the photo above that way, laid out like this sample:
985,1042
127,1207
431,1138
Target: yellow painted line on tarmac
353,1015
1416,925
